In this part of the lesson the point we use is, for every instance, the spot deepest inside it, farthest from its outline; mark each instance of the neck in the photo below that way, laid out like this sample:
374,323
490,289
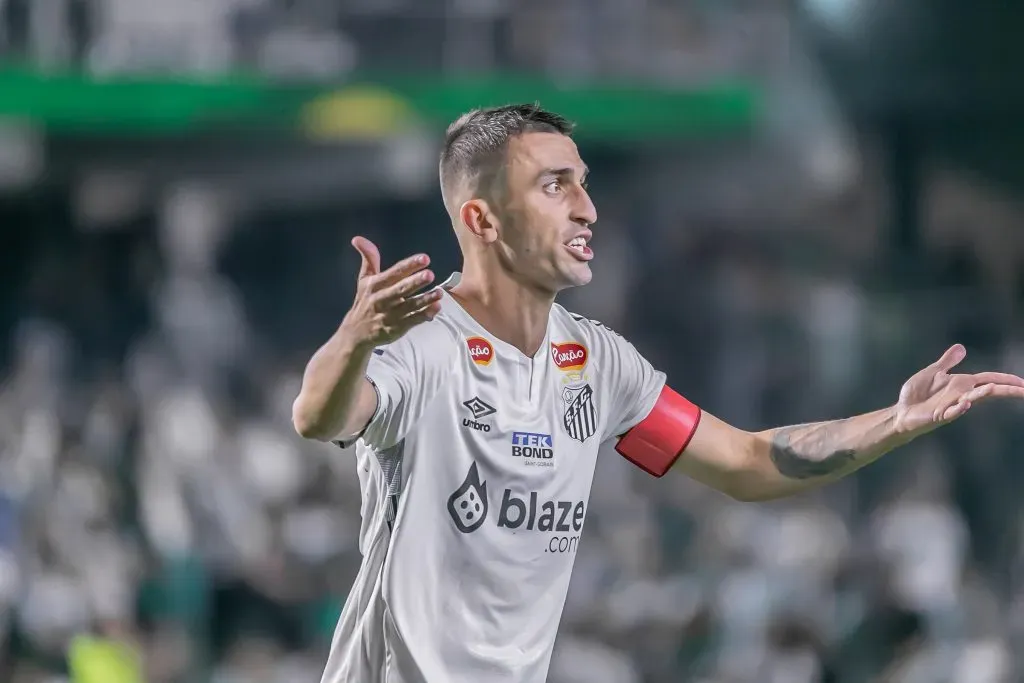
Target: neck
512,311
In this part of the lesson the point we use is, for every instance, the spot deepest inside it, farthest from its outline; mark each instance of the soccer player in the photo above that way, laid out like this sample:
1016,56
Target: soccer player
477,408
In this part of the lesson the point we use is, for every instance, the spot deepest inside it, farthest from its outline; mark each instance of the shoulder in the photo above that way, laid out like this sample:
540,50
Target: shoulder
587,331
442,332
602,347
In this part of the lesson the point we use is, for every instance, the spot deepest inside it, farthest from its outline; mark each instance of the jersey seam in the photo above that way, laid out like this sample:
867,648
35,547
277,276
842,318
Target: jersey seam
400,459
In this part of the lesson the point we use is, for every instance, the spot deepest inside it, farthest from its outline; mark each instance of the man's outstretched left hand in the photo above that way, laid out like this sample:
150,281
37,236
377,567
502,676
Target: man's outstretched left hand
936,396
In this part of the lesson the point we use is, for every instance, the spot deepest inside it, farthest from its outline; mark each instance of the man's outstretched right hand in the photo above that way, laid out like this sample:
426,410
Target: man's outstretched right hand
336,400
386,305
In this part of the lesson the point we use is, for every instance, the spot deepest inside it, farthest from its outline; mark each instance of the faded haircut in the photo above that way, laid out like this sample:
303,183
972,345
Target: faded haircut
475,144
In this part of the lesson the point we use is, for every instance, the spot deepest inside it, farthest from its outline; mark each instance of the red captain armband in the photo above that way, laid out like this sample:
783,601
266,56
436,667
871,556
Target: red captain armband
656,443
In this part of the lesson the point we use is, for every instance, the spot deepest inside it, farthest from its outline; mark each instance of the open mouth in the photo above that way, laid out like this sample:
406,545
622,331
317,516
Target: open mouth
578,246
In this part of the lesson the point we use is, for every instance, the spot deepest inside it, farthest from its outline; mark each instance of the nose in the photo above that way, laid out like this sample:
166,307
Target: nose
584,210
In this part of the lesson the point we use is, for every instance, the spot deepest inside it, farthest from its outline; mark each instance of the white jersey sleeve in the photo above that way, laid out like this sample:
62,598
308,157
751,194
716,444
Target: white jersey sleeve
633,384
407,374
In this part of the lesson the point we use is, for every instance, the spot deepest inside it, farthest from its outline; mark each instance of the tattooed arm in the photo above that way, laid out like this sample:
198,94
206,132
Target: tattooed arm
784,461
830,449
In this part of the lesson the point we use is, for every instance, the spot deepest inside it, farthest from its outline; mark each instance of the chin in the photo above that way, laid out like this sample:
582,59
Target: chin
579,276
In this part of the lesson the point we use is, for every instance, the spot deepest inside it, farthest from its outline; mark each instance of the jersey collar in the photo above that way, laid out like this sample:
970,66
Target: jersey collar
455,310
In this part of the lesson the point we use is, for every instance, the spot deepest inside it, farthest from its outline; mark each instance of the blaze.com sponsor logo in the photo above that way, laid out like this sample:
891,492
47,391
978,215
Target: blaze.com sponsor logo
523,511
562,518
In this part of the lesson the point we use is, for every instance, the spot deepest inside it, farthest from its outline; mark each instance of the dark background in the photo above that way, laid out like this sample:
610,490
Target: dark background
790,255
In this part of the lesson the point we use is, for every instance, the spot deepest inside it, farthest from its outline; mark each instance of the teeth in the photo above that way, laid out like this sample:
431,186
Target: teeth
578,242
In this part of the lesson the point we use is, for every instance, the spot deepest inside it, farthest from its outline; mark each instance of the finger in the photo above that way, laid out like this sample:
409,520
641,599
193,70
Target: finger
951,358
956,410
428,311
998,378
370,255
400,270
404,287
418,317
948,402
414,303
987,391
424,314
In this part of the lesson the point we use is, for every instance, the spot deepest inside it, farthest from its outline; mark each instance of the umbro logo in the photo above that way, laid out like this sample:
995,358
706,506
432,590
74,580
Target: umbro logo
478,408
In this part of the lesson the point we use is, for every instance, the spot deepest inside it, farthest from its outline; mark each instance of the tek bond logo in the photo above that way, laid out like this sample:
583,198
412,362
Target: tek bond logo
535,449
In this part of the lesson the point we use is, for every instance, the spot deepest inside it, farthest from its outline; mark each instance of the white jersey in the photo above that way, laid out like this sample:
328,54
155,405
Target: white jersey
475,472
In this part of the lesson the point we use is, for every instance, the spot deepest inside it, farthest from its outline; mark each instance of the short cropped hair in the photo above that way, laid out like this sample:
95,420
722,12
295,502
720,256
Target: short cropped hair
475,144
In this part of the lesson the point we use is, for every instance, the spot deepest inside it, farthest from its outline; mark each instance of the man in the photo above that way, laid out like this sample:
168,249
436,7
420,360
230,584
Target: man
477,408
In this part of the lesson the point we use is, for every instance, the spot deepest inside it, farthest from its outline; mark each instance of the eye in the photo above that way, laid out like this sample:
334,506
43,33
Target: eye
554,187
585,183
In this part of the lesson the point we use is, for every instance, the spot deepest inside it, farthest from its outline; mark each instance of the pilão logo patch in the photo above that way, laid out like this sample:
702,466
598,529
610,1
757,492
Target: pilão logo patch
480,350
569,356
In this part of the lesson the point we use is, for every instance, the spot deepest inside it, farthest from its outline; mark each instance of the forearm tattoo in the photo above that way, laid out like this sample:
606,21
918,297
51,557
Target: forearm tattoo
810,451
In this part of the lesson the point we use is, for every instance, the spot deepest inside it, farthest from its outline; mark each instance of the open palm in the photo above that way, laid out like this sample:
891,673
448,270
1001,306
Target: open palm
935,396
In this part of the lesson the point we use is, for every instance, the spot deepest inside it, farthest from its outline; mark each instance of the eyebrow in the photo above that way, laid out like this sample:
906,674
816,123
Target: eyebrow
567,171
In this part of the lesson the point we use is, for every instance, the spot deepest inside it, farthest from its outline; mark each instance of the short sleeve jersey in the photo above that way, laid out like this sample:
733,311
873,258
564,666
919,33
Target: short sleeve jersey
476,471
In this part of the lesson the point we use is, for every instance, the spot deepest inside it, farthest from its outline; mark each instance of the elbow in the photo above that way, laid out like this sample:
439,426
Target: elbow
306,423
750,486
740,496
743,488
748,493
739,483
307,428
747,482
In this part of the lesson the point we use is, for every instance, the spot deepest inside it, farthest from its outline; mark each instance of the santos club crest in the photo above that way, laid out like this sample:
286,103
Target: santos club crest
580,418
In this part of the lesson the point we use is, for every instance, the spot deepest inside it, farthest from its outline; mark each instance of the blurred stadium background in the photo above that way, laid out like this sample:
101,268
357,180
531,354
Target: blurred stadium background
801,203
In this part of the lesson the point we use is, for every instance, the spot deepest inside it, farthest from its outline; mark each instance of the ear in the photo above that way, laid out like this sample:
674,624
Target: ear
479,220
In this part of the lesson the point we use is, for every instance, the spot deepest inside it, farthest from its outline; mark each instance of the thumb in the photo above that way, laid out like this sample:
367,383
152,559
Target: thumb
951,358
371,256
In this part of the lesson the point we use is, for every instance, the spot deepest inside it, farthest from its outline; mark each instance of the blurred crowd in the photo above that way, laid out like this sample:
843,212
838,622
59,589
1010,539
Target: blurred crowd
327,39
152,489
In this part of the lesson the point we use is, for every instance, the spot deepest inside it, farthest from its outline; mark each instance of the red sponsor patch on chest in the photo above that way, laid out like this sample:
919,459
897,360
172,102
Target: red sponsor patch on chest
480,350
569,356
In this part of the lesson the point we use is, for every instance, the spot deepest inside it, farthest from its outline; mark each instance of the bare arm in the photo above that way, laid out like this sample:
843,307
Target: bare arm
784,461
830,450
336,399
